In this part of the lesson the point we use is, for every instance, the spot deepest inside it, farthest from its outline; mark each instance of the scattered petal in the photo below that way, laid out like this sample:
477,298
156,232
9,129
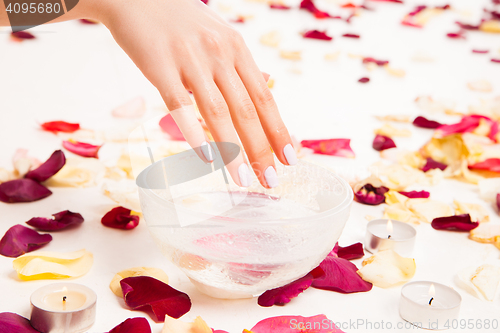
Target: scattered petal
382,142
24,163
59,221
60,126
492,26
426,123
480,51
480,85
364,80
350,35
495,60
133,325
416,194
333,147
135,108
279,6
351,252
485,233
311,7
14,323
332,56
370,60
295,324
271,38
88,21
291,55
123,192
477,212
315,34
371,195
176,326
387,268
448,150
169,126
498,201
398,118
136,271
144,291
456,35
427,210
20,36
394,71
78,172
456,222
120,218
22,190
491,164
53,265
81,148
49,168
482,282
19,240
430,164
390,131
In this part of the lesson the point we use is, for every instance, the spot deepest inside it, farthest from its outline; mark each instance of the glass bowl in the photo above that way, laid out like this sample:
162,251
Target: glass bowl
237,243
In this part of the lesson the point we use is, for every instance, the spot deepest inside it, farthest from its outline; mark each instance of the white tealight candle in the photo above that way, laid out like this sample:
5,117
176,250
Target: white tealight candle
384,234
429,305
63,308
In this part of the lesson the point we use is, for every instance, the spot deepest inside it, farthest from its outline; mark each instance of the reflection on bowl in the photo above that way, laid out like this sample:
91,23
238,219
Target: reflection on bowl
233,242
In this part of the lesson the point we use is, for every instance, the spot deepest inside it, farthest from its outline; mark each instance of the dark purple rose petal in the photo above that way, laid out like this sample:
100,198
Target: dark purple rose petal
19,240
382,142
416,194
426,123
59,221
351,252
456,223
340,276
147,292
315,34
364,80
49,168
431,164
133,325
120,218
371,195
22,190
283,295
20,35
14,323
498,201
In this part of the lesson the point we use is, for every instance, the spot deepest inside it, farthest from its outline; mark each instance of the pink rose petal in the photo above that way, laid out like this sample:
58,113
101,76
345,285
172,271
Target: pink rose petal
296,324
426,123
82,149
333,147
147,292
22,190
498,201
284,294
315,34
351,252
431,164
467,124
133,325
382,142
311,7
279,6
169,126
60,126
495,60
456,35
14,323
364,80
371,195
491,164
120,218
456,223
368,60
480,51
350,35
49,168
416,194
19,240
59,221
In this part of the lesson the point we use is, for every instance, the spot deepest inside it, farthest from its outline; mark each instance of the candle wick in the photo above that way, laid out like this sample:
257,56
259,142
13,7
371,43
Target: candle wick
430,302
389,237
64,298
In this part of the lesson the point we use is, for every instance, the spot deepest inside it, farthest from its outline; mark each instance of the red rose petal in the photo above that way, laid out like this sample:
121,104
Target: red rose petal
350,35
491,164
205,1
382,142
296,324
22,190
19,240
426,123
279,6
88,21
14,323
431,164
133,325
364,80
311,7
495,60
49,168
60,126
144,291
480,51
120,218
333,147
284,294
169,126
351,252
21,35
59,221
416,194
456,223
375,61
315,34
371,195
467,124
82,149
456,35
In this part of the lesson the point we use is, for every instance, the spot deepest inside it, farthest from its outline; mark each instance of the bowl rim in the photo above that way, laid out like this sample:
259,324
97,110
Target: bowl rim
221,220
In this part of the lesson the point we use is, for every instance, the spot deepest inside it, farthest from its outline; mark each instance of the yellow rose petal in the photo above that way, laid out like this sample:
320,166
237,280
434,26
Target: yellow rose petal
387,268
482,281
136,271
390,131
177,326
477,212
485,233
490,26
427,210
271,39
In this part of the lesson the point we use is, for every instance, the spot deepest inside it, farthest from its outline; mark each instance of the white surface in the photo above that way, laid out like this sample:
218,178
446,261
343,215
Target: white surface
77,73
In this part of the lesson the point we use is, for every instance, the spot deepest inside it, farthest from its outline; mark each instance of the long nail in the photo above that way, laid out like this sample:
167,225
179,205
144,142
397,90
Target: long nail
245,176
290,155
271,177
207,151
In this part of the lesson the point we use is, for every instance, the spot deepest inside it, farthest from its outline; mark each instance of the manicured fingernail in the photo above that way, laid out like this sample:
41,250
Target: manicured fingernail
290,155
271,177
244,173
207,151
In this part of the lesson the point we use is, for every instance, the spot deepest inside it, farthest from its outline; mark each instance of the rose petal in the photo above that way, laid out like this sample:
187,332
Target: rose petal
136,271
333,147
278,6
382,142
311,7
177,326
495,60
295,324
364,80
78,172
482,281
351,252
271,38
22,190
88,21
456,35
133,325
81,148
387,268
350,35
368,60
145,291
284,294
477,212
41,265
21,35
390,131
456,222
426,123
49,168
491,164
416,194
431,164
480,85
467,124
466,26
14,323
18,240
480,51
60,126
134,108
371,195
315,34
59,221
120,218
427,210
498,201
169,126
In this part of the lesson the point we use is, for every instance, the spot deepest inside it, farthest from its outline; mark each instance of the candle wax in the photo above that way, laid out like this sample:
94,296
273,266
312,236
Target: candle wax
74,300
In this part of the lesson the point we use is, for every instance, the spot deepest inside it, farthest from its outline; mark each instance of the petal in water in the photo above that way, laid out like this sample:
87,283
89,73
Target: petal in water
14,323
147,292
169,126
382,142
60,126
49,168
295,324
19,240
456,222
81,148
431,164
371,195
133,325
315,34
120,218
333,147
59,221
491,164
426,123
416,194
22,190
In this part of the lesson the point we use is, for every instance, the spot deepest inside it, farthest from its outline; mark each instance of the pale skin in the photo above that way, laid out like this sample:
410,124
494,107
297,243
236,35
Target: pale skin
182,45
